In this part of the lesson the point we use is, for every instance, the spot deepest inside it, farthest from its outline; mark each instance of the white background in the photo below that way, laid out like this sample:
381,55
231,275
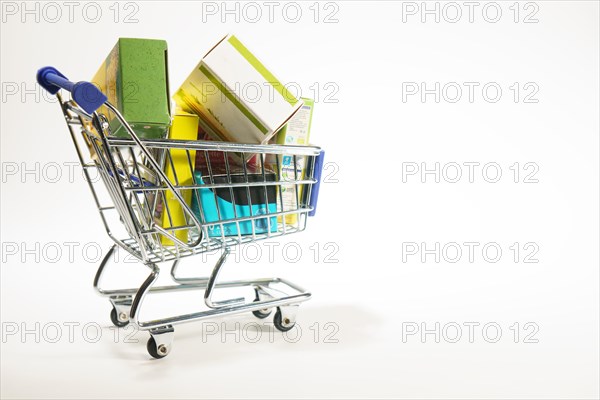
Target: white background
372,295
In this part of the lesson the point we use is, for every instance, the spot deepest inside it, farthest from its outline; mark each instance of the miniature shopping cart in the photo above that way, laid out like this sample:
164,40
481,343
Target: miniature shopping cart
163,219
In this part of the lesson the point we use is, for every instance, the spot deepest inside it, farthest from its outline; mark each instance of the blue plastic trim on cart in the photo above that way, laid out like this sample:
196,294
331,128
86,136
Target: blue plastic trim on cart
134,179
86,94
314,194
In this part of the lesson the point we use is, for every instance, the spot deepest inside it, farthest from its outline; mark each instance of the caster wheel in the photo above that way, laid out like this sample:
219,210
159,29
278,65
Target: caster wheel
262,314
155,352
282,323
115,319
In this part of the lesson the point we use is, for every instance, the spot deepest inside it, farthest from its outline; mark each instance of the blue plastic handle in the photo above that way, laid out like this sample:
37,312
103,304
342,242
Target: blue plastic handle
314,194
86,94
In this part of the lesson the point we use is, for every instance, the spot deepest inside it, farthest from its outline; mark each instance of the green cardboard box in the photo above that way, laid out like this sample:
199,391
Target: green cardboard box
135,80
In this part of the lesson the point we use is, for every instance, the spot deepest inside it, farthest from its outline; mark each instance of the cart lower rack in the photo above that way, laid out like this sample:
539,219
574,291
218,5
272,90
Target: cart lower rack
162,200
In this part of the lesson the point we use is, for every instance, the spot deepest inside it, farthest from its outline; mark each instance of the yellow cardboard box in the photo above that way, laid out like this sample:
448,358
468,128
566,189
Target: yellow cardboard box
183,127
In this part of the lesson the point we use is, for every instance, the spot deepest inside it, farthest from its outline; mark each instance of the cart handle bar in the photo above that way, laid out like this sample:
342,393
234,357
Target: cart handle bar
85,94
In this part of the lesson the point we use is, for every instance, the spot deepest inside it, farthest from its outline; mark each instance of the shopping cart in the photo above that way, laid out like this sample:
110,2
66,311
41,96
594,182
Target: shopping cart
140,194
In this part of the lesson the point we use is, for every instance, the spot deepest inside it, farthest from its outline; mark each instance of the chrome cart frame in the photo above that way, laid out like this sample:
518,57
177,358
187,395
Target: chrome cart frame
153,208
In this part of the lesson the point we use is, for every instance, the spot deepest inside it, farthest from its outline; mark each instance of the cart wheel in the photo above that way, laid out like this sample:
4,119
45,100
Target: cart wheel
262,314
154,351
115,319
282,323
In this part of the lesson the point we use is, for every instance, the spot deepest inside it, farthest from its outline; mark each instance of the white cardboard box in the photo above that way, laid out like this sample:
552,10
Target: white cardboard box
237,98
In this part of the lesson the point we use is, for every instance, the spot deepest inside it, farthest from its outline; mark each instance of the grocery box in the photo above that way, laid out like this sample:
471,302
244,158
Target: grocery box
217,91
134,78
178,169
262,198
295,132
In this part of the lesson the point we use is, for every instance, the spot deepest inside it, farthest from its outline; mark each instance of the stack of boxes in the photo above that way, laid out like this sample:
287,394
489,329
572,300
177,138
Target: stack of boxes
212,103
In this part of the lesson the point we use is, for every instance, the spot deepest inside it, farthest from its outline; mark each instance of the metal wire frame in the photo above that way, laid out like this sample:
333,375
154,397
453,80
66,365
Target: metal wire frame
132,172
